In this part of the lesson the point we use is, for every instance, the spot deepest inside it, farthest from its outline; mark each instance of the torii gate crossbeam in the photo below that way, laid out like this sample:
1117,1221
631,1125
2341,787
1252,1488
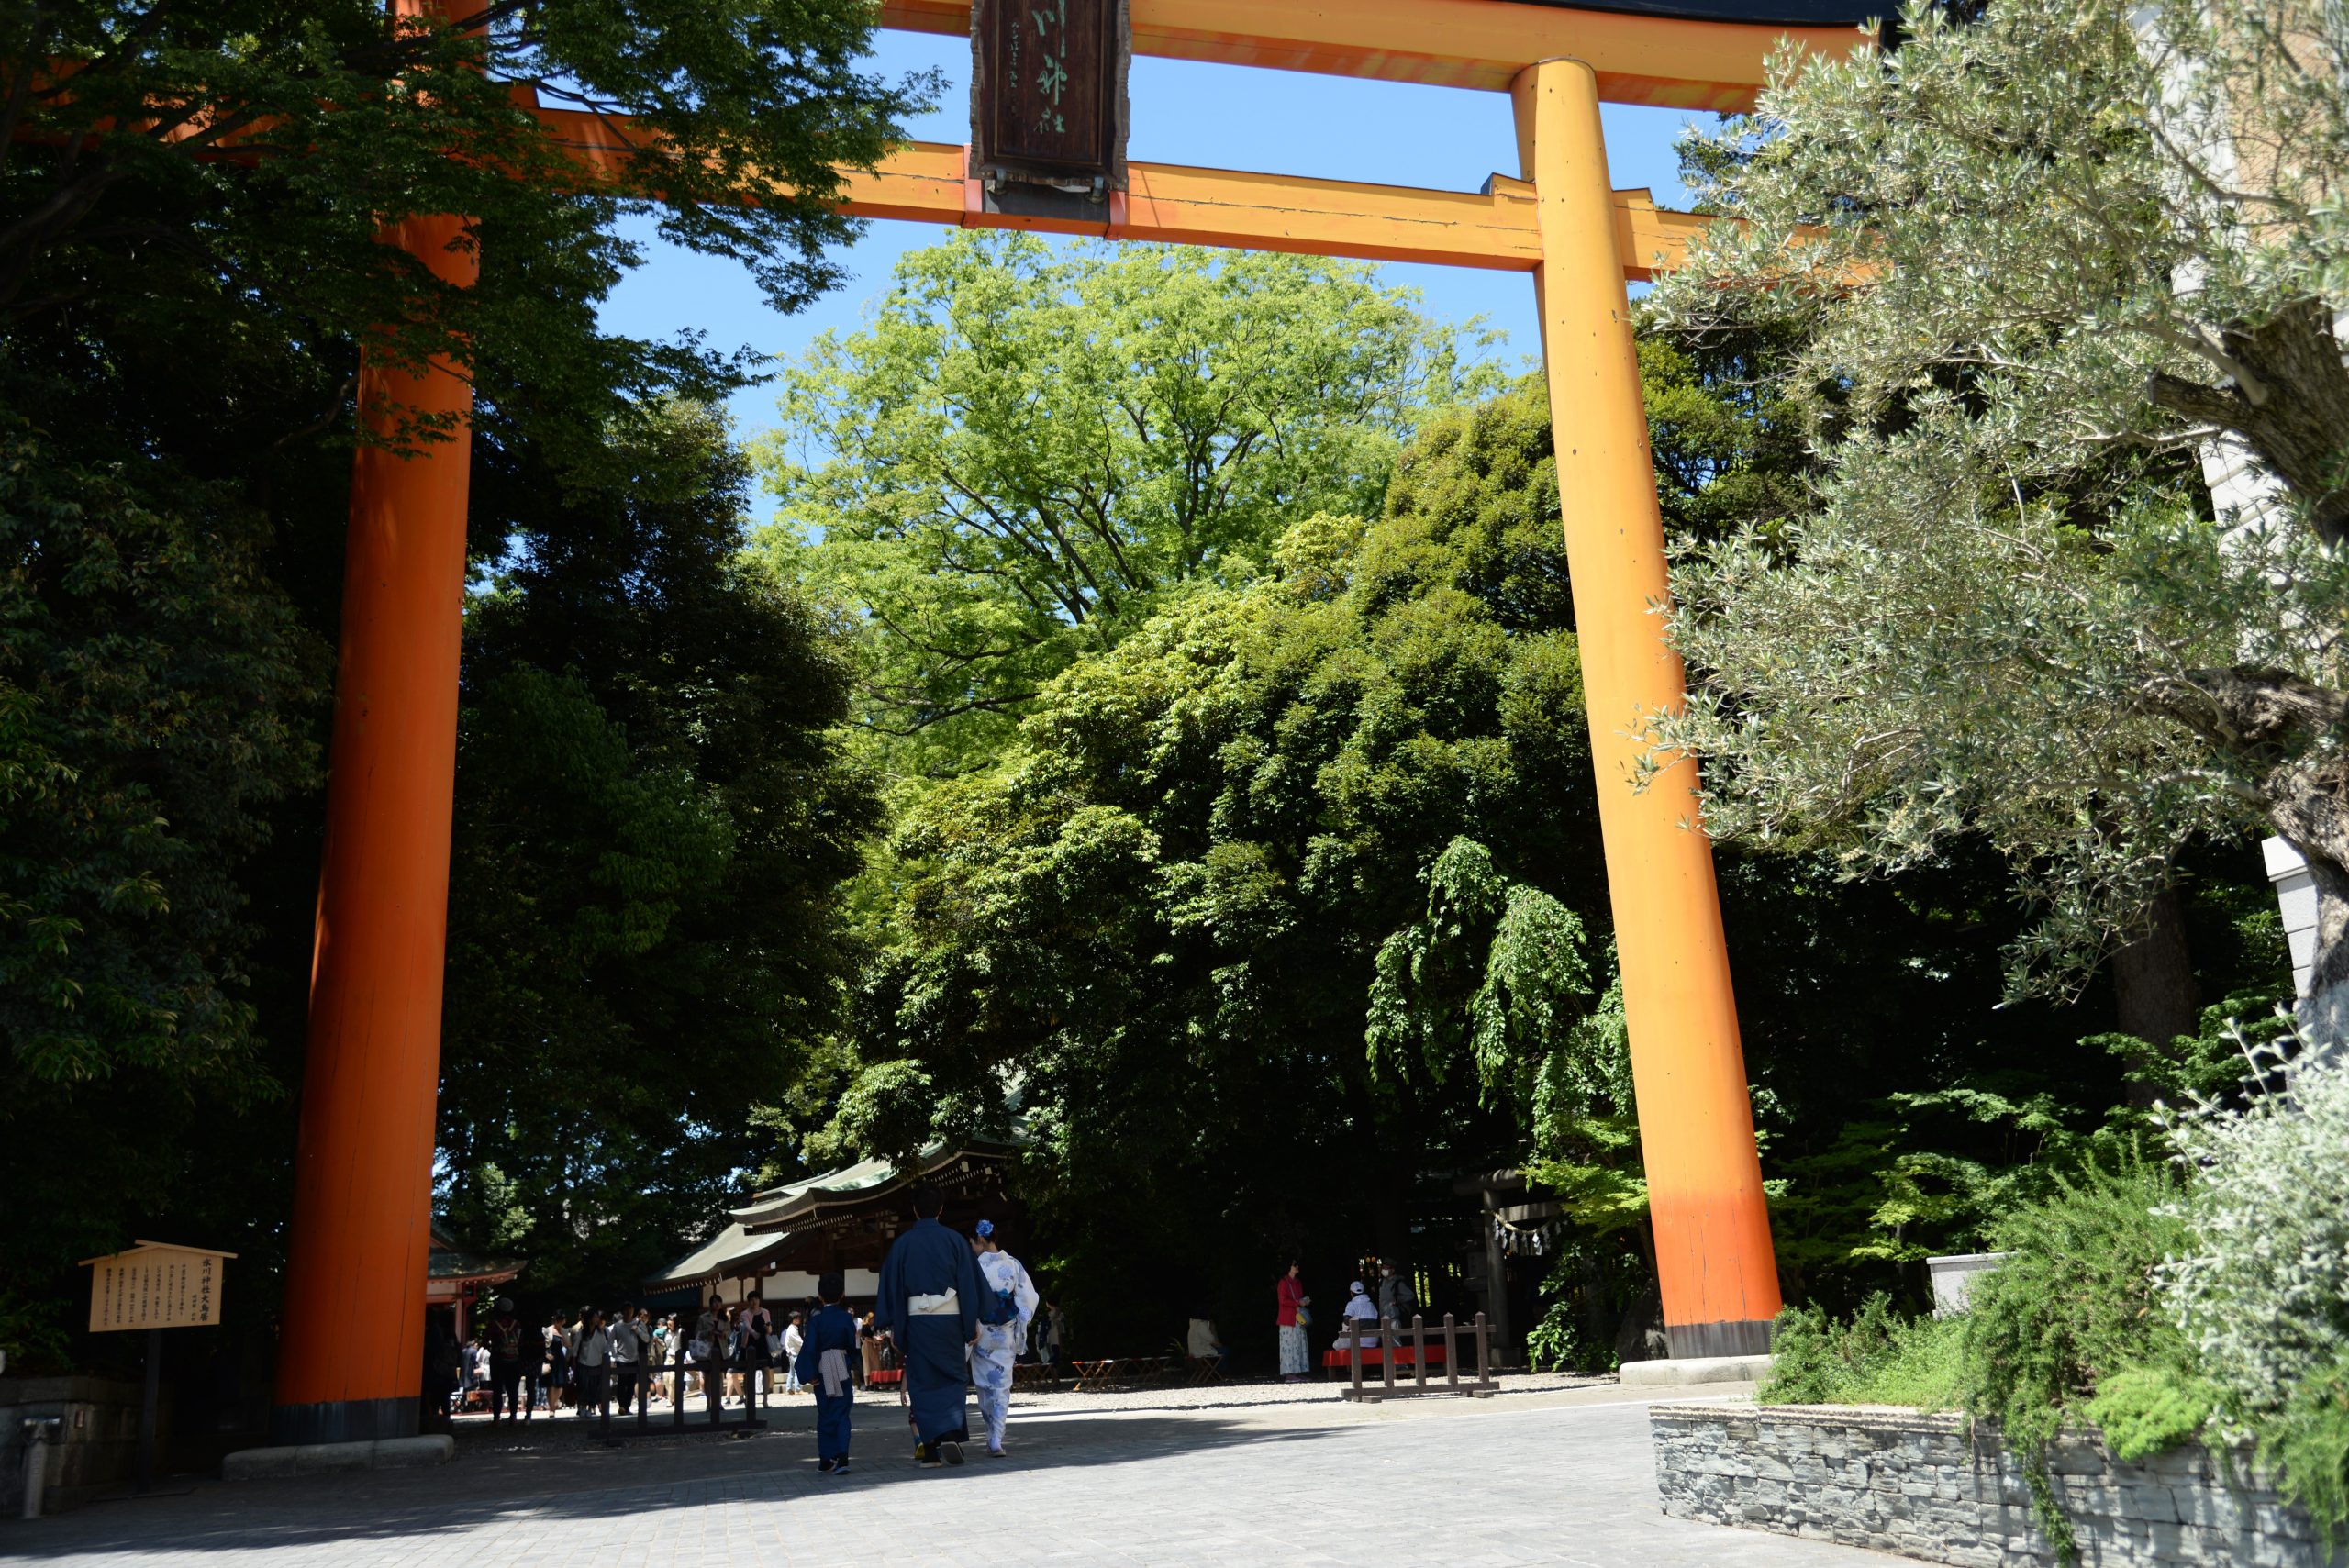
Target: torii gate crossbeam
351,1357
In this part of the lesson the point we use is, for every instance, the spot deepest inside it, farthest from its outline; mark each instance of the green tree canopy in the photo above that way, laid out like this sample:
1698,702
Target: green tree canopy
2053,255
655,814
214,177
156,694
1158,921
1030,448
190,203
1292,902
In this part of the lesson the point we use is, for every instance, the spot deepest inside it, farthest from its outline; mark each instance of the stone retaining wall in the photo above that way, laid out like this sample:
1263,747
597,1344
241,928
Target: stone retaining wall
1942,1489
96,1444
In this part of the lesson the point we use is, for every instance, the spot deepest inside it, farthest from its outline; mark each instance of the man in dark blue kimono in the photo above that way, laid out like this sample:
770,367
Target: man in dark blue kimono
930,1301
826,1352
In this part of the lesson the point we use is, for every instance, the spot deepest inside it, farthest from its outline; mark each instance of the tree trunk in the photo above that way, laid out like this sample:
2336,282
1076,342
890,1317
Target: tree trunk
2153,989
2289,404
2296,731
2309,806
2324,1012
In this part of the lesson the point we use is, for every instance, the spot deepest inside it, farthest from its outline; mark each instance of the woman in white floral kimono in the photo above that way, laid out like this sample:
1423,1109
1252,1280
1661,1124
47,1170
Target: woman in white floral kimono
1003,1329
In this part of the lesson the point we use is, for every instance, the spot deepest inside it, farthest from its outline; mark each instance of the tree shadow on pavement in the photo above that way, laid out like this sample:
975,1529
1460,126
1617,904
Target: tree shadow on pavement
552,1481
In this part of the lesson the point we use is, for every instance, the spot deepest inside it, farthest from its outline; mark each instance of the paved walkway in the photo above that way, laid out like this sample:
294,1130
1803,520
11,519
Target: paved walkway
1559,1478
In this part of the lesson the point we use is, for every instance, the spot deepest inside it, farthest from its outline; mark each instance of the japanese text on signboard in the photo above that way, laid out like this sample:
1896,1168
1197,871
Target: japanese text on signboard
155,1287
1049,86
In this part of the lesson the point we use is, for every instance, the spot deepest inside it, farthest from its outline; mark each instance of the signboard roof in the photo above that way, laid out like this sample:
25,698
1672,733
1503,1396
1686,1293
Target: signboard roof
138,1246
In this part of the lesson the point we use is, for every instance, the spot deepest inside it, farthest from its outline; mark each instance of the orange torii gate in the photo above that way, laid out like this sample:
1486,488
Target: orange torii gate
351,1360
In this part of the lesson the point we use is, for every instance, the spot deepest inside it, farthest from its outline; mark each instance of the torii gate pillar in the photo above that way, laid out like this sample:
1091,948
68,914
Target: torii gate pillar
350,1359
1712,1229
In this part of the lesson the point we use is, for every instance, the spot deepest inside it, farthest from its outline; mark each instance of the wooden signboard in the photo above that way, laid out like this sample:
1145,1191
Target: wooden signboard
155,1285
1048,94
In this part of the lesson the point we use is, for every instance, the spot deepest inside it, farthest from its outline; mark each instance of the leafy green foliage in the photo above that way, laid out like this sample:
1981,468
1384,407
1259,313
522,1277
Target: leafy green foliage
190,210
235,162
2077,1302
31,1336
1028,451
1900,1112
1559,1343
2260,1284
1727,442
654,816
1156,924
153,688
887,1105
2009,616
1877,1357
2070,1327
2146,1410
149,688
1532,988
1268,815
1921,1172
2306,1441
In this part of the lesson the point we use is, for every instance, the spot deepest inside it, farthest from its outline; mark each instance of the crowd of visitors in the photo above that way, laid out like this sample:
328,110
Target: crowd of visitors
628,1359
1397,1303
952,1313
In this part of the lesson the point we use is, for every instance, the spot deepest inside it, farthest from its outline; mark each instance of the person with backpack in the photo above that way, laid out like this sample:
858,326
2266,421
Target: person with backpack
514,1350
705,1351
629,1348
1007,1301
660,1343
1397,1302
1052,1333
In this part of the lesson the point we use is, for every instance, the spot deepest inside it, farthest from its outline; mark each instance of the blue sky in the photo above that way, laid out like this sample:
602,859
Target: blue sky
1219,116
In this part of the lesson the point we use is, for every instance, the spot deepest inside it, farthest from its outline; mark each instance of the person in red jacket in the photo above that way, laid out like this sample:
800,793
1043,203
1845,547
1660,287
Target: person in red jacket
1296,1355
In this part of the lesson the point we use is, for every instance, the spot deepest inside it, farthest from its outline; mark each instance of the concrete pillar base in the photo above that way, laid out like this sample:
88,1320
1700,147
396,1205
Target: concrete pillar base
344,1422
1681,1371
326,1459
1747,1337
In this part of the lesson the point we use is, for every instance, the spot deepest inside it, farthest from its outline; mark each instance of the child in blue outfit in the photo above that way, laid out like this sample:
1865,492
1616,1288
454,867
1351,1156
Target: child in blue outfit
826,1354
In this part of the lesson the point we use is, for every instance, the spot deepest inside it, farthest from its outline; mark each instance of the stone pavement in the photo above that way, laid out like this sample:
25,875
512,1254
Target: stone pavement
1560,1478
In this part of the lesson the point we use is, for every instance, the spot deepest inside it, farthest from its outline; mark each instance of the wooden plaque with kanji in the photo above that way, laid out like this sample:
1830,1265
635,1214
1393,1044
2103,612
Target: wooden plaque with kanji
155,1285
1048,92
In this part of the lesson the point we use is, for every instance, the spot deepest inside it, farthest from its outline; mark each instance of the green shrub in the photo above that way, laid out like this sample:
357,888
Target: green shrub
1559,1343
29,1333
2143,1410
1878,1357
2261,1286
2307,1444
2074,1306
